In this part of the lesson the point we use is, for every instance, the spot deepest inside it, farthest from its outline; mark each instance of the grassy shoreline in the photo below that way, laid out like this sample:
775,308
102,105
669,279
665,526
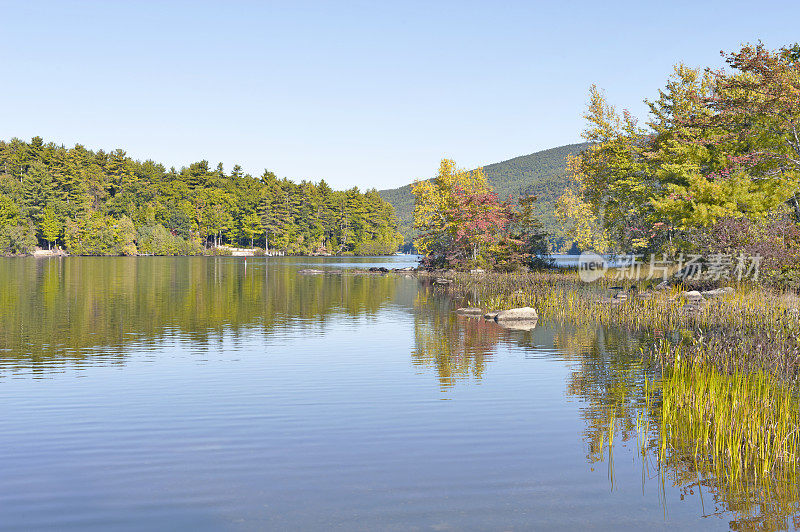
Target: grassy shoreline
749,328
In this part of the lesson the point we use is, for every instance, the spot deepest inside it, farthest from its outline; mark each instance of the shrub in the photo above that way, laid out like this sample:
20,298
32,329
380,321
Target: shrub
776,240
17,239
99,234
158,240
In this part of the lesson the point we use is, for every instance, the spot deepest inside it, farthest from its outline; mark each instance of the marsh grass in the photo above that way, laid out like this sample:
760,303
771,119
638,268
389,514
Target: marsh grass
752,329
742,423
735,434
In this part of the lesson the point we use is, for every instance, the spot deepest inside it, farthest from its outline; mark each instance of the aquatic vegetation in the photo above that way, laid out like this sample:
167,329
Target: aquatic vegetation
740,422
738,434
735,438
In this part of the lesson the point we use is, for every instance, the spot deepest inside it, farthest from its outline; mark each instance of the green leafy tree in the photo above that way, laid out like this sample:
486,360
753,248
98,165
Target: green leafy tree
51,225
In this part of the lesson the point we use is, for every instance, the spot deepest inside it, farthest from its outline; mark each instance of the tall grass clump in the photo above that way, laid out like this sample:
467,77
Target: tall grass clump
740,421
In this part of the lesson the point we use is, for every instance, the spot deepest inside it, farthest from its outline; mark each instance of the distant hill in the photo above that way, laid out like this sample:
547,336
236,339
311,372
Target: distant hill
542,173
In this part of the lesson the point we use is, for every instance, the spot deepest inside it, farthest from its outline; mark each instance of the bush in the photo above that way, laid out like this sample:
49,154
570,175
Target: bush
99,234
776,240
219,252
158,240
17,239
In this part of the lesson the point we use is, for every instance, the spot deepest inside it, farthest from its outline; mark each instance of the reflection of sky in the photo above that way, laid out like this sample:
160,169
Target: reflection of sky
396,261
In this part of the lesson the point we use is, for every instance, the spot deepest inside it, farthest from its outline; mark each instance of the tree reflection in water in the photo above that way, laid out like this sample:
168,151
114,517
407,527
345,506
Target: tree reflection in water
62,311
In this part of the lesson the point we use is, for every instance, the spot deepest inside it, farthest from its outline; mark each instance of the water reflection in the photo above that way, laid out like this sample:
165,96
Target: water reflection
63,310
96,310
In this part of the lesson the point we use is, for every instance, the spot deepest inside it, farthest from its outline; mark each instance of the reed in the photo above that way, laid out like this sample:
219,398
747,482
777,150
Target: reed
734,435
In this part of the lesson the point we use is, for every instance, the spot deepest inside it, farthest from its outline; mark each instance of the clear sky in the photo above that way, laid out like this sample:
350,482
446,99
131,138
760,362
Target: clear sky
357,93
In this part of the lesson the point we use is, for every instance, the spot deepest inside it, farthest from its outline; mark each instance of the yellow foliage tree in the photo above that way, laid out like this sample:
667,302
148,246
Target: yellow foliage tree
436,199
576,216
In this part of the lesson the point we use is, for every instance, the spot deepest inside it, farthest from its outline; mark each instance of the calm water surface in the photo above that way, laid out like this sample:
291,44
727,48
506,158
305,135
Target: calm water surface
218,393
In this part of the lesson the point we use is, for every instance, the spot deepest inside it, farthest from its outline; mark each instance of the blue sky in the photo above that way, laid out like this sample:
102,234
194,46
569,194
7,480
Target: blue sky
357,93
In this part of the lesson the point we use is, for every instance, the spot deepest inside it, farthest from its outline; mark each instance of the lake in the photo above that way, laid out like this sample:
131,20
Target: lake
214,393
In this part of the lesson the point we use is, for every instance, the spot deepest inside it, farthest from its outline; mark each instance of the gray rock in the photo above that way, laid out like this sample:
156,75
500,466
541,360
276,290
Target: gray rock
478,271
311,272
491,315
689,309
517,314
717,292
469,311
693,296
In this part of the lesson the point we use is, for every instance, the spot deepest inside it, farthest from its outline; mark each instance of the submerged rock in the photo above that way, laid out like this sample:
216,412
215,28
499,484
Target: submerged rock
311,272
517,314
518,325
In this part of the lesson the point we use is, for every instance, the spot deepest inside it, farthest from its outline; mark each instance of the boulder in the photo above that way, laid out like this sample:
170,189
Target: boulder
693,296
469,311
717,292
490,315
477,271
311,272
517,314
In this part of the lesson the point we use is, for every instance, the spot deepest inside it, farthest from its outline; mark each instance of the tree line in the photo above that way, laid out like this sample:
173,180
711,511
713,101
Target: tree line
106,203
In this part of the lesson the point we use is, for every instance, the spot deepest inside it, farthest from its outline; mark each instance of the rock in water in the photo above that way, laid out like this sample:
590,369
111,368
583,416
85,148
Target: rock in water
490,315
469,311
518,325
517,314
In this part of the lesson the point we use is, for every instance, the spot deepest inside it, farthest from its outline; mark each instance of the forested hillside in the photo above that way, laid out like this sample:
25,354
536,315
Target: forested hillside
105,203
542,174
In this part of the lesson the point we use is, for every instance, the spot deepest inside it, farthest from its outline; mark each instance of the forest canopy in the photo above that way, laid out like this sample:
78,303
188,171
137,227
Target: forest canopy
106,203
